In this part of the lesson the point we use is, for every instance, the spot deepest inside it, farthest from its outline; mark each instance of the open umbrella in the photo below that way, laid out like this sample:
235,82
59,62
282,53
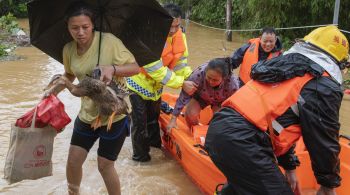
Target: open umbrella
142,25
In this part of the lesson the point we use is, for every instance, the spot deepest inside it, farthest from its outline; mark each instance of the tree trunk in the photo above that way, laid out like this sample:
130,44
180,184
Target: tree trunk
228,20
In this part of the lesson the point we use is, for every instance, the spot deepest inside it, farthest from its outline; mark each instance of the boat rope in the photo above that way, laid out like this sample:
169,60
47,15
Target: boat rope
345,31
259,29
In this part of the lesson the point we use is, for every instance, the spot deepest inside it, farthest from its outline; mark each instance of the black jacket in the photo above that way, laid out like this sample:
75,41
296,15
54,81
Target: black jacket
318,116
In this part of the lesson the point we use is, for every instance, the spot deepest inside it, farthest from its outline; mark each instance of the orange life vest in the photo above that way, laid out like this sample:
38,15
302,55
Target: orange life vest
251,57
173,50
262,103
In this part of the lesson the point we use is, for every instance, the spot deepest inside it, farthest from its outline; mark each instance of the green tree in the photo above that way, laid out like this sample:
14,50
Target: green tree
275,13
16,7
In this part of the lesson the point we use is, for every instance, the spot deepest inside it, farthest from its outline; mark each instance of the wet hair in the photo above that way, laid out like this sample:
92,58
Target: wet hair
268,30
221,65
173,9
79,8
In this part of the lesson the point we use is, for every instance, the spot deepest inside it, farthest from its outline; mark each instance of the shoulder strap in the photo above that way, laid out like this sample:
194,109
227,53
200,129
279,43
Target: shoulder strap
99,47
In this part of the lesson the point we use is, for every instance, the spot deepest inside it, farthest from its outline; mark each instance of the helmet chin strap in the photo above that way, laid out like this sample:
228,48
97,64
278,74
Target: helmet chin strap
344,63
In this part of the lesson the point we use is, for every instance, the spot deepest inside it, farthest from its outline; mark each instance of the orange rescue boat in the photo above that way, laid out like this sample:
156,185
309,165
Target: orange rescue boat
186,146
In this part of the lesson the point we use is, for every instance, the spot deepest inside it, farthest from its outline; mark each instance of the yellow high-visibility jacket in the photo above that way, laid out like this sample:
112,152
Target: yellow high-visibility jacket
150,85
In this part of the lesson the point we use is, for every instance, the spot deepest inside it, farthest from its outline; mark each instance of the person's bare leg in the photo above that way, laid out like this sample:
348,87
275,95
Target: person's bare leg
192,112
109,175
74,170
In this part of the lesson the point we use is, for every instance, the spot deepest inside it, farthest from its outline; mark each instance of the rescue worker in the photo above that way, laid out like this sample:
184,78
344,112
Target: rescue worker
265,47
297,94
171,70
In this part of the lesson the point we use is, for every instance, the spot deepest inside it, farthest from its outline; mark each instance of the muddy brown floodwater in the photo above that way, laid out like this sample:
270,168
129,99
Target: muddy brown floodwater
21,87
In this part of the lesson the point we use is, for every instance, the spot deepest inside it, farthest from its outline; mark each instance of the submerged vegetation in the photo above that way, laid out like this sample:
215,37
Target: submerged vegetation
9,11
7,25
11,36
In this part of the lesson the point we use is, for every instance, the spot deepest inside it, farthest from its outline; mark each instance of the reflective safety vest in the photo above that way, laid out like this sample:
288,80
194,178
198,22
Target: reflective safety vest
149,83
174,55
181,66
151,87
251,57
174,49
262,103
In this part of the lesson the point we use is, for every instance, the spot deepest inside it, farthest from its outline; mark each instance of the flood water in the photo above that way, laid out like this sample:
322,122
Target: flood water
21,87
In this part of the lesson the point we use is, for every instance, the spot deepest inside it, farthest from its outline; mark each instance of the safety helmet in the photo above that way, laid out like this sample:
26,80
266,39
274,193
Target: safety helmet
330,40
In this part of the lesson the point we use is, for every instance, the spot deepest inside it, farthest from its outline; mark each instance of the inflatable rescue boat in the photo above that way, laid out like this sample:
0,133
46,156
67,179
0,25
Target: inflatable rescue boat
186,146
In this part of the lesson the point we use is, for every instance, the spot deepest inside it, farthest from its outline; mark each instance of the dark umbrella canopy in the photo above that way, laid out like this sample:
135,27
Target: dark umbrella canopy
142,25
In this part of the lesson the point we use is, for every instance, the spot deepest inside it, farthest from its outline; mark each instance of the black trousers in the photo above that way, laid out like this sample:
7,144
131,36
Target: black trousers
145,130
243,153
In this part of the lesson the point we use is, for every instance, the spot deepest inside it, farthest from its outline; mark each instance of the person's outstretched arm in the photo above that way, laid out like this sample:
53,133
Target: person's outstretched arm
125,70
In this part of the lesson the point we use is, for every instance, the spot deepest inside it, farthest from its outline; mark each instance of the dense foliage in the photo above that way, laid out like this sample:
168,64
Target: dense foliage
2,50
8,25
251,14
16,7
257,14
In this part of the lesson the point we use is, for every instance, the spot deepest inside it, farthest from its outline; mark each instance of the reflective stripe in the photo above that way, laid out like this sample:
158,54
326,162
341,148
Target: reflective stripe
277,126
295,109
139,89
183,58
301,100
167,77
154,67
160,91
180,66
